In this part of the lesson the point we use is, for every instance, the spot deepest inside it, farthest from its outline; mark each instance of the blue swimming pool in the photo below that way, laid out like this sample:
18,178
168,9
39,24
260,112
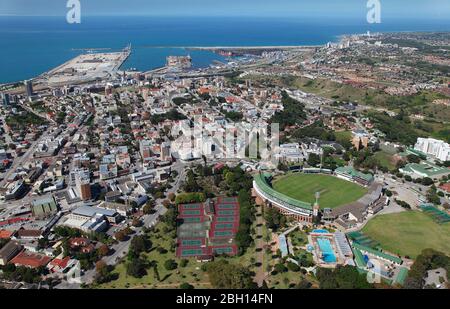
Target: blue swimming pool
320,231
327,250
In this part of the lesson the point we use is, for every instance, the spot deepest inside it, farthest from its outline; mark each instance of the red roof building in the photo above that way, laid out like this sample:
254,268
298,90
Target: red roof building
5,234
79,242
31,260
445,187
59,265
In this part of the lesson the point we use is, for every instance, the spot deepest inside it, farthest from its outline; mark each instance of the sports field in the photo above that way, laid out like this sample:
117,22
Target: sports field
334,192
408,233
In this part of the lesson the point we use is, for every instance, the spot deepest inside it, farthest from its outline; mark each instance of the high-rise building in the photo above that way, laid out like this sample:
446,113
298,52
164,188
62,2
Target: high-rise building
29,86
436,148
165,152
145,150
83,184
6,99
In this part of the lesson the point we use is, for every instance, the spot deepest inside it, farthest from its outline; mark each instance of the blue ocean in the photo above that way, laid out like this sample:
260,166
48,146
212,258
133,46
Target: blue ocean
30,46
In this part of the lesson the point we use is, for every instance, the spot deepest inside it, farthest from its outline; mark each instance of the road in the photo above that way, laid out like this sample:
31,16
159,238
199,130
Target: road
25,157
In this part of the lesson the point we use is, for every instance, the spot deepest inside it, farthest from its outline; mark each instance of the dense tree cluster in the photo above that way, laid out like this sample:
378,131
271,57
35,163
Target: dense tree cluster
292,114
342,277
191,197
233,116
22,273
239,183
274,219
316,130
138,245
397,129
224,275
429,259
173,114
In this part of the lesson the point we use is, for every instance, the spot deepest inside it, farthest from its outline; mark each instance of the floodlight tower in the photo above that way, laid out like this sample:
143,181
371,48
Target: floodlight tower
316,206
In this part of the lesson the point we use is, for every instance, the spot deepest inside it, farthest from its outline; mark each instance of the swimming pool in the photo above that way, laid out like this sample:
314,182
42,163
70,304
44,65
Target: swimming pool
327,250
320,231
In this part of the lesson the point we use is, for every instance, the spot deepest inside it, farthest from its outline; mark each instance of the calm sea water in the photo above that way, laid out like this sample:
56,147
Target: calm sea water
30,46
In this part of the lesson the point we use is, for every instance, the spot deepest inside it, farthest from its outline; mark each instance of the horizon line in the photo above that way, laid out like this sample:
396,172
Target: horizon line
337,16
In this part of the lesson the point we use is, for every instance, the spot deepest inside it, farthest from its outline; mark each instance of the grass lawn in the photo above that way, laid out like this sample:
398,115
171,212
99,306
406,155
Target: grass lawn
170,279
385,160
334,192
343,136
408,233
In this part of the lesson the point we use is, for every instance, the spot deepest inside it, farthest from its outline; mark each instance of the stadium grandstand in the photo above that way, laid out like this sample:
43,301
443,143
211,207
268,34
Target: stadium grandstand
301,211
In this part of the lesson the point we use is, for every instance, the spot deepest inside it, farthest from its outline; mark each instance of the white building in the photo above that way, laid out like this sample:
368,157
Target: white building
433,147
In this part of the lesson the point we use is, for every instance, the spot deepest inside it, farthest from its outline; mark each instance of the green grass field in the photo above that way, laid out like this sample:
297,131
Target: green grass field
385,160
408,233
334,192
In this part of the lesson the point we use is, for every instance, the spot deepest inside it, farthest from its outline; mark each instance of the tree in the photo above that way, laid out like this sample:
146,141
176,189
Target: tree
103,250
136,268
293,267
342,277
280,268
120,235
303,284
103,272
184,262
138,245
136,222
427,181
224,275
101,267
313,159
274,219
148,209
413,158
186,286
170,218
171,196
193,197
166,203
170,264
428,259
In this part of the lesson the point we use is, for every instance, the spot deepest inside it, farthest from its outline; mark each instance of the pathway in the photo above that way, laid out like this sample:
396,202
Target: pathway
260,272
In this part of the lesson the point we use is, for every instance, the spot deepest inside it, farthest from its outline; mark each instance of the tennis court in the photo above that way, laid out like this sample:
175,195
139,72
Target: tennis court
191,242
226,219
226,212
191,212
226,250
226,206
224,226
208,228
192,220
223,233
190,206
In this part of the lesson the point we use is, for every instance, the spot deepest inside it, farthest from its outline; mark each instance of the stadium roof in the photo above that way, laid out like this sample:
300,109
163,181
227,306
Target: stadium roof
359,259
380,254
354,173
262,183
425,168
401,276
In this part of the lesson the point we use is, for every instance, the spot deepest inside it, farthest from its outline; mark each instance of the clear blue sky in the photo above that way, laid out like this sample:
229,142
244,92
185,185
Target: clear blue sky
428,9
